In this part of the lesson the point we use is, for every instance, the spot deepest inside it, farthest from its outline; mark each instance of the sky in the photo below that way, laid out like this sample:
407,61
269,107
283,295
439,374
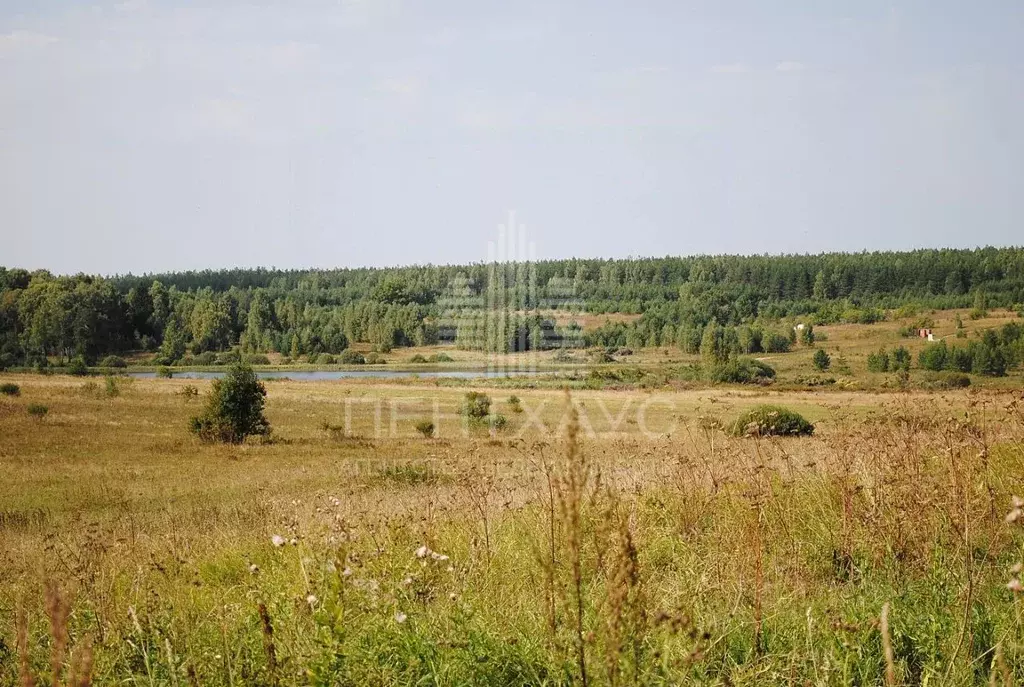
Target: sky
149,135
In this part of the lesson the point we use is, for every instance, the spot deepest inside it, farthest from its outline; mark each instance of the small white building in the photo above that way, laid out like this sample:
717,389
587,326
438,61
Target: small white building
799,327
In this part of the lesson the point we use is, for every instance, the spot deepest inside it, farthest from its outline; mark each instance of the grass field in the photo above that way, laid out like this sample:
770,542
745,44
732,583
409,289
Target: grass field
630,542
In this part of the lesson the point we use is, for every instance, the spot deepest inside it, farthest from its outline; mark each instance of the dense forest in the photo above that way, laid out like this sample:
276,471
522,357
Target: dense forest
680,302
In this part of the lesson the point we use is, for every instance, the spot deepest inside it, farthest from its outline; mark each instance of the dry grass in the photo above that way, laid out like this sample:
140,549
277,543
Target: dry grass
587,549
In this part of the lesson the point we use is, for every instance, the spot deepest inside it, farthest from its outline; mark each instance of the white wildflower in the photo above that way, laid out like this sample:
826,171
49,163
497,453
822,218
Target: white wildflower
277,540
400,617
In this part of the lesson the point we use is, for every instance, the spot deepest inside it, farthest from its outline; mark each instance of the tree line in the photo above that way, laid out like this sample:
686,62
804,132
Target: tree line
299,312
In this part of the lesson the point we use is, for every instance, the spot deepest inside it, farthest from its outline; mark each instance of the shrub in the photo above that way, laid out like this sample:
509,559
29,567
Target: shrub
878,362
425,427
441,358
111,389
350,357
514,404
742,371
807,335
257,359
375,359
822,360
165,372
765,420
77,367
38,410
327,359
417,359
205,358
10,389
189,392
43,366
777,343
946,380
113,361
234,409
312,358
228,358
476,405
901,359
497,421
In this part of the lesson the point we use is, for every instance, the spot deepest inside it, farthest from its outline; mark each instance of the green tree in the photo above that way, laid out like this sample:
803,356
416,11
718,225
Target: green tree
822,360
807,335
234,408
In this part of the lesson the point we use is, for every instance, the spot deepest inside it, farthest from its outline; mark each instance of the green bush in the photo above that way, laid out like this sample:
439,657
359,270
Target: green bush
476,405
742,371
350,357
10,389
901,359
946,380
417,359
765,420
425,427
497,421
37,410
440,358
205,358
113,361
777,343
312,358
228,358
111,388
189,392
234,409
257,359
327,359
375,358
514,404
165,372
822,360
77,367
878,362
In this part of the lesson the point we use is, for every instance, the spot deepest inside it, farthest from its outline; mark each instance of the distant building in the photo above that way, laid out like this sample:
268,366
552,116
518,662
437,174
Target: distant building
925,334
799,327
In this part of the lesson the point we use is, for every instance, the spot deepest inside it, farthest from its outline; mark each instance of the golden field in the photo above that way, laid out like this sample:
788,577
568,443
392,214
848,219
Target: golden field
630,541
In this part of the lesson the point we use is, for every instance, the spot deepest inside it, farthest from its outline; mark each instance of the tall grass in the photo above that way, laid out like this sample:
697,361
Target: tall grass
878,551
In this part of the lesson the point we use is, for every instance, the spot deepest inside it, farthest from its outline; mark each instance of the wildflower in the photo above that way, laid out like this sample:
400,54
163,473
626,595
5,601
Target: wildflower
311,600
400,617
1014,585
407,581
294,542
347,572
1014,515
254,569
277,540
1016,568
423,552
438,556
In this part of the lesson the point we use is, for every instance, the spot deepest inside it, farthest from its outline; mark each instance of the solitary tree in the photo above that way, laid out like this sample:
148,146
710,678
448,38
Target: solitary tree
822,360
234,409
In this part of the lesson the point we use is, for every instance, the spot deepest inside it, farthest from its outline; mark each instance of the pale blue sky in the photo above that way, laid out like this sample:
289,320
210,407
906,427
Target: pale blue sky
152,135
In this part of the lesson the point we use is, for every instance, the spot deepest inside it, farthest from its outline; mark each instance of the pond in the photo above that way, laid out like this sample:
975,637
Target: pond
327,375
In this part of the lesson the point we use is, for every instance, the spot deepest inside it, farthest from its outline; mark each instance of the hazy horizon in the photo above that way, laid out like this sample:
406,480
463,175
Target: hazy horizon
146,136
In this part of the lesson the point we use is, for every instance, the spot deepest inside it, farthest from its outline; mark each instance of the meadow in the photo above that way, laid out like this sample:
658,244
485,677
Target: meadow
612,537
